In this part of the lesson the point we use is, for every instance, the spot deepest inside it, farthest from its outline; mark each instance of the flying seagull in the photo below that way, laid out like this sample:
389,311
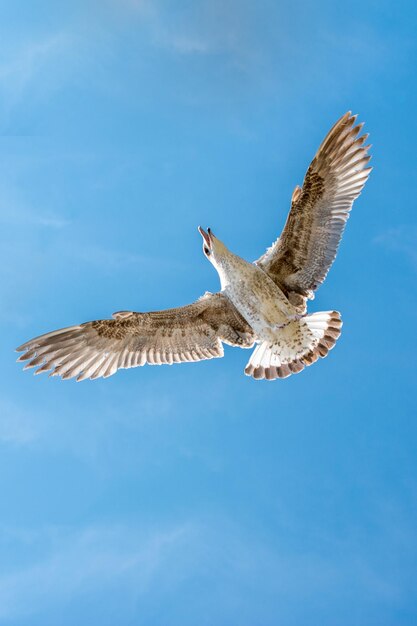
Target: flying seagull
263,303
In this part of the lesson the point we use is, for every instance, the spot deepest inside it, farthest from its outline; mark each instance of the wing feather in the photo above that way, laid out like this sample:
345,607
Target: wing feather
98,349
300,259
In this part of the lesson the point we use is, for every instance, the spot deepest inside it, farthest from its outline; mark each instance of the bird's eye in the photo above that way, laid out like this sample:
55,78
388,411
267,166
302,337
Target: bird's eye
206,251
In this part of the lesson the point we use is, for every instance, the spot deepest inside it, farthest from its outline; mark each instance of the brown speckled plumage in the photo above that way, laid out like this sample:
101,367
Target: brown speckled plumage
300,259
263,302
93,349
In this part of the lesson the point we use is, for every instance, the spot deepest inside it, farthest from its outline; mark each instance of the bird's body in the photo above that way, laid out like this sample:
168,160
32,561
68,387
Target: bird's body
255,295
263,302
285,336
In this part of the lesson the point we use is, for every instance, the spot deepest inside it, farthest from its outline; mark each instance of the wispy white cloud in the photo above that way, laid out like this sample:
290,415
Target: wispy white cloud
402,240
15,207
23,216
16,426
109,259
186,44
30,62
203,28
81,561
142,564
27,61
97,434
34,68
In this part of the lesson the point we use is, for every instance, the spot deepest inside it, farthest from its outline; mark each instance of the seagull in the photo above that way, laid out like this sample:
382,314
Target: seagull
262,303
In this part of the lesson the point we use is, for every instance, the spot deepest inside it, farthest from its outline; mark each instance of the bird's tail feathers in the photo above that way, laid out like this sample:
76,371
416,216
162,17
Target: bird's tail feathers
298,344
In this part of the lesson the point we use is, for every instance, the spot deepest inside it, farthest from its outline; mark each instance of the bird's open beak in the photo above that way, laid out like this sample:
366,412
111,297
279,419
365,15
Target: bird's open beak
206,236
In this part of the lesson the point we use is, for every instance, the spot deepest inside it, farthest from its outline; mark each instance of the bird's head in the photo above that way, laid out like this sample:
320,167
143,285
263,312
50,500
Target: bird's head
213,248
223,260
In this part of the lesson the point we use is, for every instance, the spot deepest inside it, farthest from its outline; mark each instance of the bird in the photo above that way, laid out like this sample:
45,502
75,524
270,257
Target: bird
261,303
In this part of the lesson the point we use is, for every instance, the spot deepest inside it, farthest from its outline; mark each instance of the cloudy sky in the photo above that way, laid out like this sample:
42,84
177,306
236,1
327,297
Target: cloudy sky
192,495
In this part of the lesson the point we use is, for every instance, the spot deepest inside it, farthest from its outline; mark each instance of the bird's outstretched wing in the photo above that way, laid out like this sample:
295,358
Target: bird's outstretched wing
98,349
300,259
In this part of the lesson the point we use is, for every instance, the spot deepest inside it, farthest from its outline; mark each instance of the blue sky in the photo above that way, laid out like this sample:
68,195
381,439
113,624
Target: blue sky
191,494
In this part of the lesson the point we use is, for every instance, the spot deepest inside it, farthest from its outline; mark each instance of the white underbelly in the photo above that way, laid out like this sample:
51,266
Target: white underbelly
263,306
